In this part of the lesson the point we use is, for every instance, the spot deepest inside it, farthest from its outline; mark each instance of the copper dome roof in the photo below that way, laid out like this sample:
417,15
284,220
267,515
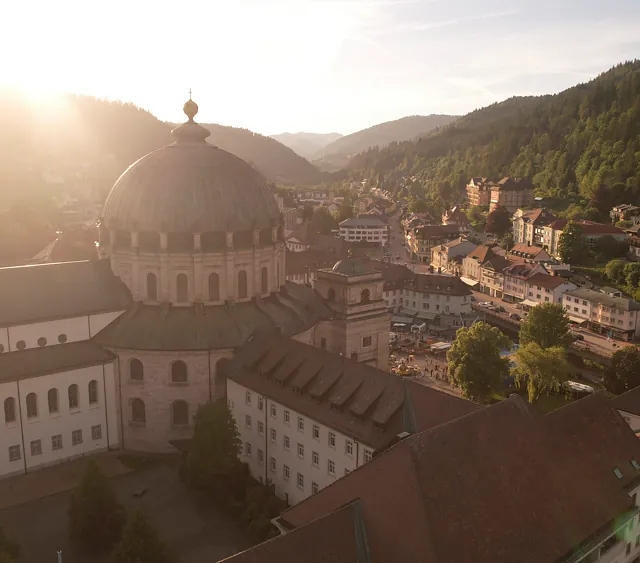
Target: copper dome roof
190,186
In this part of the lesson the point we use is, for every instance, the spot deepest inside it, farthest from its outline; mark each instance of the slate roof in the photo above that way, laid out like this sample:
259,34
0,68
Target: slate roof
341,393
152,327
65,289
439,497
51,359
629,402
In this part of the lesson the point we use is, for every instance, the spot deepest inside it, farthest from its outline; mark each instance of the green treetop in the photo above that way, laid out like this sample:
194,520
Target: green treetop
547,325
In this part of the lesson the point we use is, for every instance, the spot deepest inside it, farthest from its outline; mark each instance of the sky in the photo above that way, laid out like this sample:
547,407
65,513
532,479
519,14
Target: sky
312,65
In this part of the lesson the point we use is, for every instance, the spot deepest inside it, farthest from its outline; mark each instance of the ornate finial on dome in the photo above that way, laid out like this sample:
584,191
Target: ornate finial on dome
190,108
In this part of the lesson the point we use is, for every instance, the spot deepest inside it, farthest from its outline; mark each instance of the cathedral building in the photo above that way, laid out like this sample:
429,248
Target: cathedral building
192,264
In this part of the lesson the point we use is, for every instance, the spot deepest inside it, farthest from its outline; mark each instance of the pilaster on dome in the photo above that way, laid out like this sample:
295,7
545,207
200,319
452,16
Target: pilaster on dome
190,132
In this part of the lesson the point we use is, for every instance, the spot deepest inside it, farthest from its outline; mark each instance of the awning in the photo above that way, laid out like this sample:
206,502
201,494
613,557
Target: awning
469,281
426,316
577,320
529,303
441,346
398,325
402,320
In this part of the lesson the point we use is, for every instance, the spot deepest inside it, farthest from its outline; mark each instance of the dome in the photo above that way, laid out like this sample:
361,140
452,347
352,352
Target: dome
190,186
352,267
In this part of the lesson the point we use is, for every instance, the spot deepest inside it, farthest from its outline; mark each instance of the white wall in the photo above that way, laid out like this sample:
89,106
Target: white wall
64,422
288,489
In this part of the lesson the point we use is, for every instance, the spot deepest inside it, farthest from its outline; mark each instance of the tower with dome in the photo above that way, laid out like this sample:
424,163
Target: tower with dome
192,265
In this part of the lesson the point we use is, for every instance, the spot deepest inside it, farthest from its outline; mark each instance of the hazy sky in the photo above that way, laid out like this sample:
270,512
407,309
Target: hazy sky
313,65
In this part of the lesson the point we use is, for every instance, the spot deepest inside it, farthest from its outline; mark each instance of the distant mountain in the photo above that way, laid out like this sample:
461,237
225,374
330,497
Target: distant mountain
307,145
336,155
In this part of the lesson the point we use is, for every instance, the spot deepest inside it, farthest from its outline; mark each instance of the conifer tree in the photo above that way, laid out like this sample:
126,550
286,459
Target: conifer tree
140,543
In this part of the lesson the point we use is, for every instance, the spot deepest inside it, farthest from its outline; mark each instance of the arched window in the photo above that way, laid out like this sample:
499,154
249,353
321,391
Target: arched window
264,274
52,399
93,392
9,410
74,399
180,413
214,287
182,293
179,372
138,411
136,370
331,294
242,284
365,296
152,287
32,405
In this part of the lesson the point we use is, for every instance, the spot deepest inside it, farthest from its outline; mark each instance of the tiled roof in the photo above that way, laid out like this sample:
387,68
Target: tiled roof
509,183
394,275
437,231
308,261
363,222
538,216
341,393
497,263
629,402
546,281
482,253
526,250
622,303
51,359
588,227
66,289
522,271
438,284
500,485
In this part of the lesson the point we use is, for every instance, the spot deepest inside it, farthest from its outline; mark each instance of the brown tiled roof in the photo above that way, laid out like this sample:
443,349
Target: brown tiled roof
498,263
546,281
351,397
629,402
51,359
439,284
588,227
509,183
519,270
538,216
394,275
482,253
500,485
522,248
437,231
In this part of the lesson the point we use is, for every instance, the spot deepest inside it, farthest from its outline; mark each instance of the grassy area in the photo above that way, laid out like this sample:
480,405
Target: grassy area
546,403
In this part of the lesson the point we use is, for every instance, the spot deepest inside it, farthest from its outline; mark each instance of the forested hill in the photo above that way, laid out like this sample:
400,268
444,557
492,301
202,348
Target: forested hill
337,154
570,144
100,139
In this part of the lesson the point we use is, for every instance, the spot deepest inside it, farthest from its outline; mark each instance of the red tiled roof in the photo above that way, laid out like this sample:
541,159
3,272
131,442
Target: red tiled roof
546,281
482,253
522,248
500,485
588,227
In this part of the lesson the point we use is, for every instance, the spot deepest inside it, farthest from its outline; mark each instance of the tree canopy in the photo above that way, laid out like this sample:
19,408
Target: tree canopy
323,221
540,369
498,222
475,364
572,247
623,372
95,516
140,543
547,325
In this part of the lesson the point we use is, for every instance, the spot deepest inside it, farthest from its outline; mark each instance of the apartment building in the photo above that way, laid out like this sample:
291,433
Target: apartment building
307,417
617,316
368,228
448,257
528,225
543,288
479,191
421,240
492,277
515,279
575,470
591,232
511,193
472,264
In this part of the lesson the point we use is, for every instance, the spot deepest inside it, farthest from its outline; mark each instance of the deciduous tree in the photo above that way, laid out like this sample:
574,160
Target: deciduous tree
95,516
498,222
615,271
547,325
540,369
623,372
140,543
571,246
475,364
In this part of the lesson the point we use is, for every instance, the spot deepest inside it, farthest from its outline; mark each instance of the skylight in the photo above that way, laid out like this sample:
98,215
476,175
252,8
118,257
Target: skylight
617,473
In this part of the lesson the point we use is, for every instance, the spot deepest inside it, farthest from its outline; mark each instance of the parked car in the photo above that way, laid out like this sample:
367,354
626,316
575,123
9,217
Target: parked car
578,336
473,298
514,316
501,309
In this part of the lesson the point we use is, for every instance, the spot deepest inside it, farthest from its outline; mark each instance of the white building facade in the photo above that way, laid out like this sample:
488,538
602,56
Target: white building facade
369,229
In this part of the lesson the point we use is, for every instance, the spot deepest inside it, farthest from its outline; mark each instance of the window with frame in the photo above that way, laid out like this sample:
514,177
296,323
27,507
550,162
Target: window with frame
273,463
93,392
9,410
261,428
274,411
260,403
52,400
315,458
247,397
314,487
178,372
316,432
56,442
300,450
273,435
300,481
332,440
136,370
286,472
138,411
14,453
76,437
331,467
367,455
348,447
248,449
96,432
366,341
74,396
36,447
32,405
287,417
301,424
260,456
286,442
247,421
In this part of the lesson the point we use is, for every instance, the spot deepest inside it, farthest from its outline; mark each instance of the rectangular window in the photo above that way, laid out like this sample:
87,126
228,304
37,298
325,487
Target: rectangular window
260,403
287,417
286,472
248,449
332,440
366,341
316,432
247,397
273,411
331,467
300,481
76,437
348,447
260,456
247,421
36,447
300,450
315,459
368,454
273,434
286,442
273,464
301,424
14,453
96,432
56,442
314,489
261,428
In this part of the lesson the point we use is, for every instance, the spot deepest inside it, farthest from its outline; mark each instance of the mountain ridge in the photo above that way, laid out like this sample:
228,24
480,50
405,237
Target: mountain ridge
306,145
